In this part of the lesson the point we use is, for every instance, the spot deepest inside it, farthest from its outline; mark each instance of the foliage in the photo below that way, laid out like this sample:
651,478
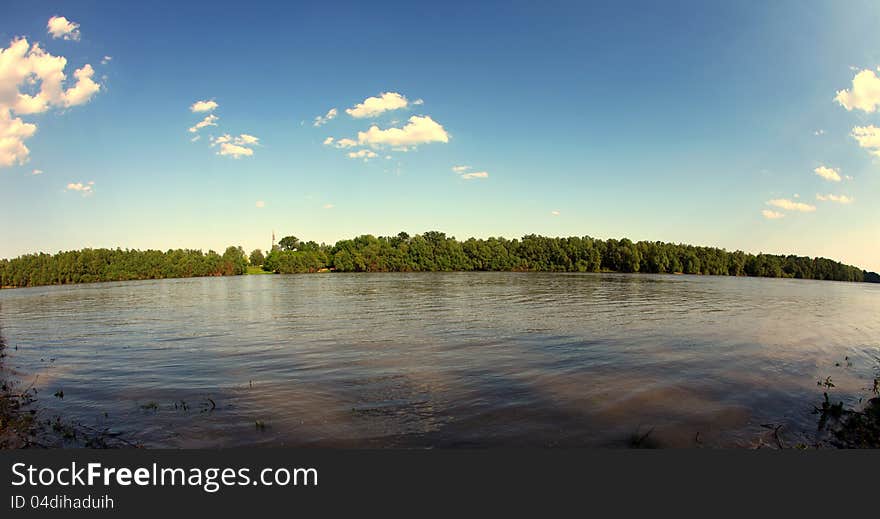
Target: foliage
431,251
434,251
92,265
289,243
256,258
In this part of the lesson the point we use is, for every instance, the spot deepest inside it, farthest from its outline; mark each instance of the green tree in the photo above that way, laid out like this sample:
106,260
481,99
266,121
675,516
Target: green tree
289,243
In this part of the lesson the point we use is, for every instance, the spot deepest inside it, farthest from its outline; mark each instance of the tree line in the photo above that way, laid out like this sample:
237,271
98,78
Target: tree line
93,265
427,252
434,251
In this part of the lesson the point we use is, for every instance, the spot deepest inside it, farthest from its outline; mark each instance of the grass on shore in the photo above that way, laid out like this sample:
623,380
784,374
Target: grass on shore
256,270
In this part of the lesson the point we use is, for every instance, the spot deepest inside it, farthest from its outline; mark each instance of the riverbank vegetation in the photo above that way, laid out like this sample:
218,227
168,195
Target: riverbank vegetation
93,265
434,251
428,252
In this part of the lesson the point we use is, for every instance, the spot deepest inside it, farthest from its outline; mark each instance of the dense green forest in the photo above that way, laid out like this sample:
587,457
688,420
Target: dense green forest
434,251
431,251
92,265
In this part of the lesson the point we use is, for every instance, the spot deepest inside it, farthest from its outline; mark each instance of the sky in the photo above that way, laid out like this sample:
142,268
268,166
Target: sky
744,125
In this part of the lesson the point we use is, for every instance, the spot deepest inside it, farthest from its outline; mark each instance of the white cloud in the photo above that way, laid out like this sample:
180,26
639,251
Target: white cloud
345,143
203,106
840,199
362,154
469,176
373,106
419,130
324,119
209,120
832,174
13,133
248,140
194,139
784,203
234,150
772,215
86,189
235,147
329,206
864,95
868,137
260,204
37,172
819,132
23,65
61,27
554,213
106,60
84,88
328,141
31,82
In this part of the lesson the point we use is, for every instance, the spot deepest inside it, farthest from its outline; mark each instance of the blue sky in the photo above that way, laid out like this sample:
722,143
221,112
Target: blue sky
692,122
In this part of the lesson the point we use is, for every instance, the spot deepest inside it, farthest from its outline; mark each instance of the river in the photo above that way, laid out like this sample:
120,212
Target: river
444,359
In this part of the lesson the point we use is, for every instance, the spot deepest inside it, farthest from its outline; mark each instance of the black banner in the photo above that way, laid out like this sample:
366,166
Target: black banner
262,482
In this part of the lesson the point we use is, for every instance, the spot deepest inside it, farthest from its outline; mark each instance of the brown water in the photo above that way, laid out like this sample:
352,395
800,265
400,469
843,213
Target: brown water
444,359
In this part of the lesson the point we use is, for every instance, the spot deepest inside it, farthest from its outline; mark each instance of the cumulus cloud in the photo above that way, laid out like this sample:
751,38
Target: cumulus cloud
772,215
418,130
868,137
321,120
345,143
25,65
234,150
260,204
362,154
209,120
13,133
32,81
86,189
784,203
373,106
554,213
819,132
61,27
840,199
235,147
107,59
460,169
84,88
864,94
832,174
246,139
328,141
203,106
37,172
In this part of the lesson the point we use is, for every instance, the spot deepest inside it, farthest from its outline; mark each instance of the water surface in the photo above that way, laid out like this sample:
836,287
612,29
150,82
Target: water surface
444,359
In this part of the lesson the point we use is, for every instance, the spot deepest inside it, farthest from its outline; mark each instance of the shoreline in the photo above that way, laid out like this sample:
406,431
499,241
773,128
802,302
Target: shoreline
513,271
